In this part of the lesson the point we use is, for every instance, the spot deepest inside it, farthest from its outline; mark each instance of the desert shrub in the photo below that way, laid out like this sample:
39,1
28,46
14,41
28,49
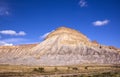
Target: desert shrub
100,47
56,69
86,67
116,66
35,69
81,76
39,69
68,68
75,68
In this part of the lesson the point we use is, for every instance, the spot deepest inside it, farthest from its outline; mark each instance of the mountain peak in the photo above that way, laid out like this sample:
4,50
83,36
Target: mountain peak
68,34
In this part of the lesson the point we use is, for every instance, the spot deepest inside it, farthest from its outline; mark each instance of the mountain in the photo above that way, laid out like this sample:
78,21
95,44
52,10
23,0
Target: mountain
63,46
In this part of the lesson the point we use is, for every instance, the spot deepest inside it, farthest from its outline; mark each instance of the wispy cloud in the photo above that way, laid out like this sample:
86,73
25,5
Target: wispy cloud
4,8
4,11
45,35
83,3
100,23
11,41
12,32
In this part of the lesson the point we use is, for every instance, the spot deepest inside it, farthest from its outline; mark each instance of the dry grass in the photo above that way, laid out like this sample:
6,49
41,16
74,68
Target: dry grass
52,70
15,68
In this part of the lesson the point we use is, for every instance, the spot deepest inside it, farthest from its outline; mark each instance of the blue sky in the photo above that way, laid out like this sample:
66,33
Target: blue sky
28,21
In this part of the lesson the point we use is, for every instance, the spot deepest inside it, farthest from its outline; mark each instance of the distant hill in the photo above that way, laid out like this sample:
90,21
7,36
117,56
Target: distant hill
63,46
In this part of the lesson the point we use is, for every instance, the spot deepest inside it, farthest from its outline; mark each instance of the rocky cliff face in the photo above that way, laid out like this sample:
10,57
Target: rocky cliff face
64,46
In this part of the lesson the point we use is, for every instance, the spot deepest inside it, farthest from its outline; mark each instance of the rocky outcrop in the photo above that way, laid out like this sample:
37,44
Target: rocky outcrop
64,46
95,42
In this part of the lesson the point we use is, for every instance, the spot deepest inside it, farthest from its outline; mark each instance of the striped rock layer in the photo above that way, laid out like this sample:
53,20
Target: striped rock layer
63,46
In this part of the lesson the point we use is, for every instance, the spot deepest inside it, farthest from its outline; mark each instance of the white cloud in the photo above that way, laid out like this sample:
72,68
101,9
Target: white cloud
100,23
2,43
12,32
21,33
83,3
45,35
8,32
